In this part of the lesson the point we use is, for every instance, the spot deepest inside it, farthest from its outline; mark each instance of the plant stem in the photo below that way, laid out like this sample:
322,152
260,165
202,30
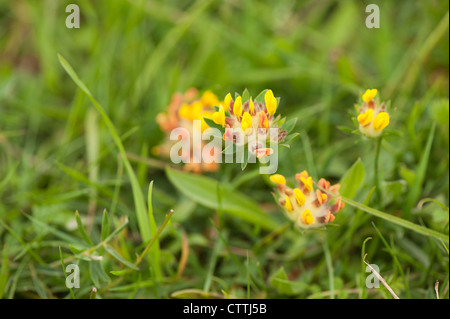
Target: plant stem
376,178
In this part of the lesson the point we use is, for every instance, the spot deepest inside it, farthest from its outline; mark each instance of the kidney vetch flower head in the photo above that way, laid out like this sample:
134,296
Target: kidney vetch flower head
183,109
372,117
254,118
306,206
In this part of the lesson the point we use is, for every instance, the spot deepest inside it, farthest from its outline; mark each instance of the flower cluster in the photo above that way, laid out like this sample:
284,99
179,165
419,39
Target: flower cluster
253,118
372,117
181,112
306,207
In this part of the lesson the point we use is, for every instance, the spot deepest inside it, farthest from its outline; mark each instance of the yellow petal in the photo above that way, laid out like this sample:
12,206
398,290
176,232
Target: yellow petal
307,182
246,122
251,106
381,121
289,205
237,108
209,99
227,101
369,95
207,115
271,102
219,116
278,179
185,111
366,117
306,217
299,196
196,110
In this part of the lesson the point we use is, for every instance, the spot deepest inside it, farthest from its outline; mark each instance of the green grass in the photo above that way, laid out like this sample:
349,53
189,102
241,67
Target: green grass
79,183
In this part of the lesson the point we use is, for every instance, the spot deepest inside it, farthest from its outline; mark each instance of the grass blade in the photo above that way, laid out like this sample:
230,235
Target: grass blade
105,225
119,258
414,193
81,229
398,221
146,227
64,270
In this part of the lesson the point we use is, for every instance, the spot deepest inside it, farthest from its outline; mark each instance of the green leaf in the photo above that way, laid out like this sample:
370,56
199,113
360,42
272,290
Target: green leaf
345,129
352,179
245,96
213,124
76,249
202,190
230,149
61,235
279,280
392,190
290,137
245,159
119,258
408,175
289,125
81,229
260,97
97,273
414,192
116,231
120,273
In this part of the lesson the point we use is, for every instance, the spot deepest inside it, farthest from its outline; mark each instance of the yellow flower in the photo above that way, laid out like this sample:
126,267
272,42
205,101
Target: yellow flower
278,179
299,197
372,116
183,109
237,108
251,106
227,101
369,95
307,182
246,124
306,208
209,98
289,204
381,121
271,102
306,217
366,117
253,117
219,116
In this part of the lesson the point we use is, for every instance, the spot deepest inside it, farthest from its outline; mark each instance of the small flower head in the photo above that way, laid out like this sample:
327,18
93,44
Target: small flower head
369,95
306,207
181,112
253,117
372,117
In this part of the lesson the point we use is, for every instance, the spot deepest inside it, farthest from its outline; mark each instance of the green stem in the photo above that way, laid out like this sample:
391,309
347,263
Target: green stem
376,177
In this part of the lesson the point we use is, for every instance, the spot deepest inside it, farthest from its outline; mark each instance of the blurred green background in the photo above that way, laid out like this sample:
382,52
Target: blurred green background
57,156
